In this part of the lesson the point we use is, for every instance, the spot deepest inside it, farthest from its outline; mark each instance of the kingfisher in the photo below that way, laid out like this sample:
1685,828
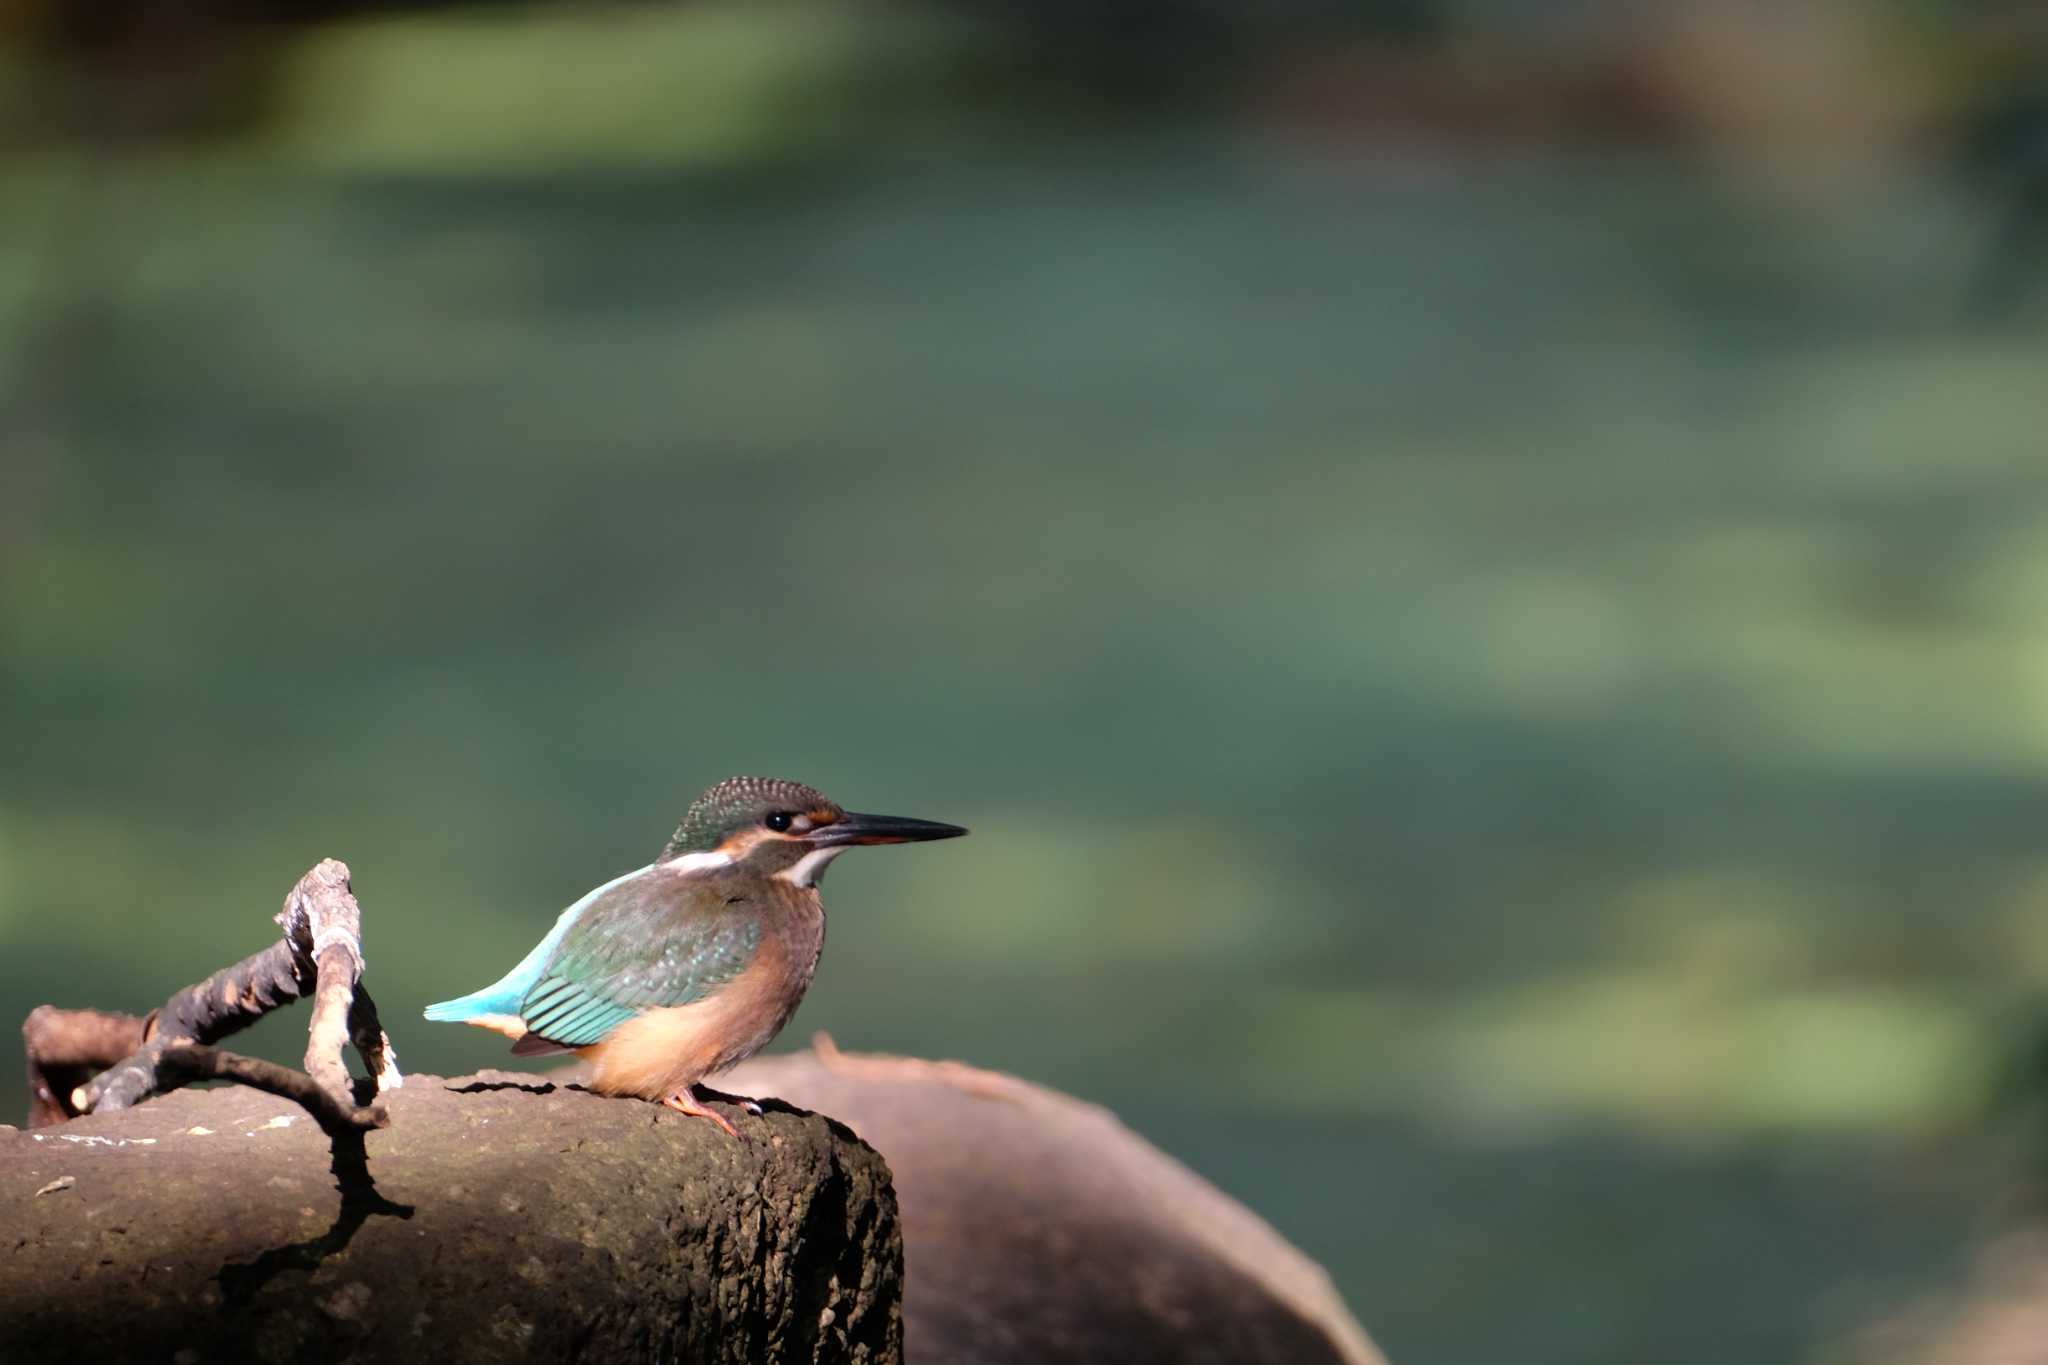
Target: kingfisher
673,973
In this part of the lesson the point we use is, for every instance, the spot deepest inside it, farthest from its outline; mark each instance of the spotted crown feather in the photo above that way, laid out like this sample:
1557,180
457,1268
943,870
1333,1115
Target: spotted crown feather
735,803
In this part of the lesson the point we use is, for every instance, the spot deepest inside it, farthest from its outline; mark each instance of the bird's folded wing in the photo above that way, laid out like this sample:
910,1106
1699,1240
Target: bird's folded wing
635,950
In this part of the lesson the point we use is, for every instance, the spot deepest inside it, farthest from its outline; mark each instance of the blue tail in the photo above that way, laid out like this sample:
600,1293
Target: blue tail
495,999
503,996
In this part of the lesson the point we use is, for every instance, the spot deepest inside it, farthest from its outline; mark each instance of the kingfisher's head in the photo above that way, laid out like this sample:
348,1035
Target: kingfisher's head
785,829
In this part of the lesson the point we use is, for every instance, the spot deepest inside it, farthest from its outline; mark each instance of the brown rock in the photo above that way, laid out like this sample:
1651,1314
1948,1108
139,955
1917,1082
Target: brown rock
491,1221
1039,1229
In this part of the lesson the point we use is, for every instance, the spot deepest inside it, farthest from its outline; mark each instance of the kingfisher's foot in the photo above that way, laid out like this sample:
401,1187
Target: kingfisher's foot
684,1101
751,1106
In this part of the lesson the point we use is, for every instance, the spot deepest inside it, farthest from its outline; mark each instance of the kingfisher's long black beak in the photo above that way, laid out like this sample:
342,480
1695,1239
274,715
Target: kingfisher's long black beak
852,828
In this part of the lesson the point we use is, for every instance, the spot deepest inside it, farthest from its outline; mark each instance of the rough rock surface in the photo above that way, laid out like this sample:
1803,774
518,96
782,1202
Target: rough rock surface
491,1221
1038,1228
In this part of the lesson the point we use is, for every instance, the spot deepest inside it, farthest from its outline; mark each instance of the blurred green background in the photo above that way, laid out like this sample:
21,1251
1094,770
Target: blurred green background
1479,571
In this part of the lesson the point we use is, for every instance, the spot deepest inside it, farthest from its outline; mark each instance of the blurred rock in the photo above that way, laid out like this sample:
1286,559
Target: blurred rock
1039,1229
1999,1318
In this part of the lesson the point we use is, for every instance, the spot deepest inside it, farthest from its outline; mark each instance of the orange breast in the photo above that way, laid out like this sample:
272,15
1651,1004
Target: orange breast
662,1051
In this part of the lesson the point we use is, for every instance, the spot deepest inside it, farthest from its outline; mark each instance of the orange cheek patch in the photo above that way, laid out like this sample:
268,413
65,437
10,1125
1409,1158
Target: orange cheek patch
737,845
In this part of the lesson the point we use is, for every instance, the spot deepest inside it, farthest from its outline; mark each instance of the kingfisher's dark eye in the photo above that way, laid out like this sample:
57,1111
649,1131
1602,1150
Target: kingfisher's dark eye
779,821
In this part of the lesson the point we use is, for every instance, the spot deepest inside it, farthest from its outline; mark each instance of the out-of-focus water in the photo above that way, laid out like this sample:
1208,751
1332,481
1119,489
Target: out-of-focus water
1500,698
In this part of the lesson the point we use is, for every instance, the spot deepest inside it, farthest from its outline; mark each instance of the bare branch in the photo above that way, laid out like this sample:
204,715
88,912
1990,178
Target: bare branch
185,1063
320,954
225,1003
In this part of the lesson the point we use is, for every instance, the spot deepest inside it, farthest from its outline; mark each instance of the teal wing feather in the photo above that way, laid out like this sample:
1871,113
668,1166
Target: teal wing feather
649,943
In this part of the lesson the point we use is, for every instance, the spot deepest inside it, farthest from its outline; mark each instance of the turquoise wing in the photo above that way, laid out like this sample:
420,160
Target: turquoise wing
648,943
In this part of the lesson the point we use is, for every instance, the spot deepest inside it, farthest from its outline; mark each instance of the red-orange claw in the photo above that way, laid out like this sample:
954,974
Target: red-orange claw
684,1101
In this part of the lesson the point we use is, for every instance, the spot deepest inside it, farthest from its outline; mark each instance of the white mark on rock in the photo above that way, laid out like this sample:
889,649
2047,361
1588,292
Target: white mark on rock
348,1303
512,1330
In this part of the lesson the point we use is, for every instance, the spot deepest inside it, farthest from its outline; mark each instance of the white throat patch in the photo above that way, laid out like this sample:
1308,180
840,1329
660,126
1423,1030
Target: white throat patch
689,864
806,870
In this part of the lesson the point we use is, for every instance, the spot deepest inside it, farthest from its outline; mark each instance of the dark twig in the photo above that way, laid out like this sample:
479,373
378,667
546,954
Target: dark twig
366,1035
225,1003
187,1062
320,954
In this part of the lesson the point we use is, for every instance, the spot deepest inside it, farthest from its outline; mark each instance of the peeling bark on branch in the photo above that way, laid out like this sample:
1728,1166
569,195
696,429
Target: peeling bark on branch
323,924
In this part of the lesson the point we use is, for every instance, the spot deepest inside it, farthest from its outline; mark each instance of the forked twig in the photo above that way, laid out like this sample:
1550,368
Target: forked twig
320,954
